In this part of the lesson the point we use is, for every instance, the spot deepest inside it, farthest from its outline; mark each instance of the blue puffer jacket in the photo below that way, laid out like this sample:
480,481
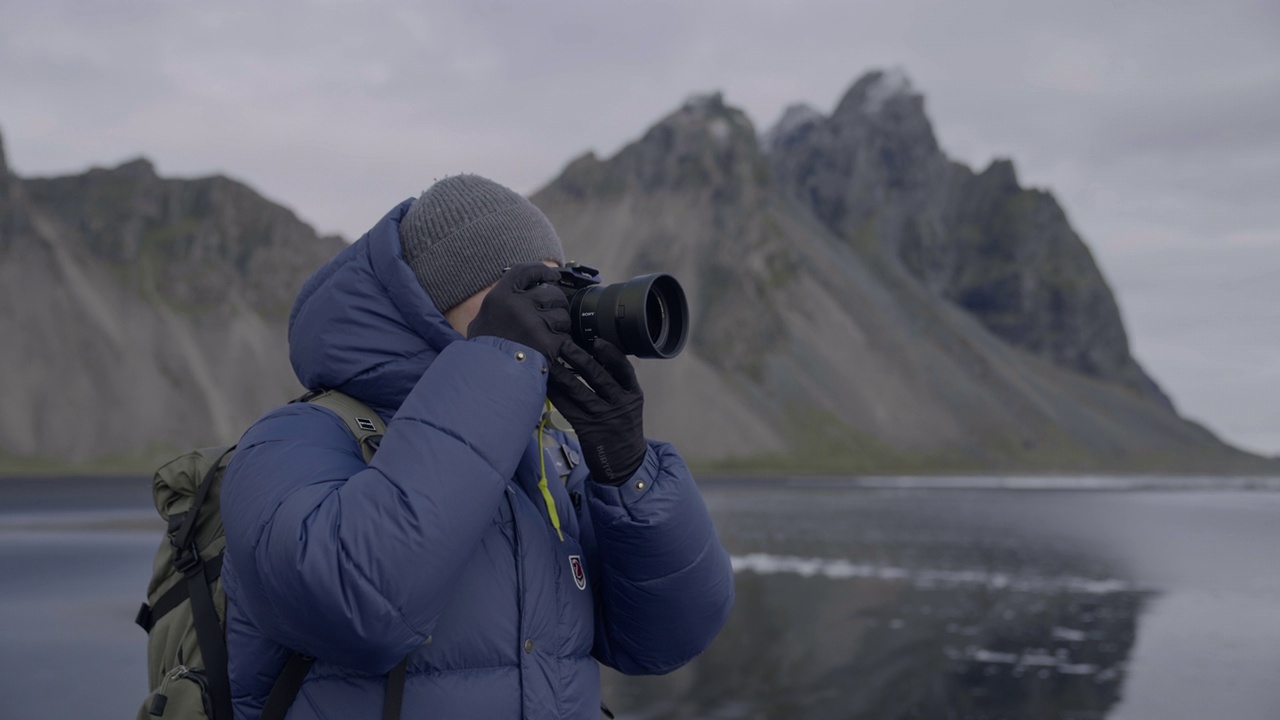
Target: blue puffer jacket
442,548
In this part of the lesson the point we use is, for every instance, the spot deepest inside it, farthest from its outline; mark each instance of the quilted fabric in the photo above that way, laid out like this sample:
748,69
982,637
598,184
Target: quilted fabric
442,549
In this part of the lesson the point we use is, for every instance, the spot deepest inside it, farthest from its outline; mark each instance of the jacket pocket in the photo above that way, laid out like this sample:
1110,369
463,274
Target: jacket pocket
183,694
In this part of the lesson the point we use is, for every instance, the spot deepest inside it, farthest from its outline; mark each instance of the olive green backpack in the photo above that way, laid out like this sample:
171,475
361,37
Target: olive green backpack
185,612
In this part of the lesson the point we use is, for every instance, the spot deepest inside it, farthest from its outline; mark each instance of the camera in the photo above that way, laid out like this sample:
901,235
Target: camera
646,316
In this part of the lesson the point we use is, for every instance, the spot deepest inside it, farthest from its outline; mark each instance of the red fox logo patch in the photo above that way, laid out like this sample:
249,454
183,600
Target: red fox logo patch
579,575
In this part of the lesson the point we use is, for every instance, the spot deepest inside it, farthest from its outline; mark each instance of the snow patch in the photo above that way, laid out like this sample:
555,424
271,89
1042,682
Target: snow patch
891,83
720,130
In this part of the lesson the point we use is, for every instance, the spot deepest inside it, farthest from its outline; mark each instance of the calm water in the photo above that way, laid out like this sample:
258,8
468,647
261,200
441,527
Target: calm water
889,599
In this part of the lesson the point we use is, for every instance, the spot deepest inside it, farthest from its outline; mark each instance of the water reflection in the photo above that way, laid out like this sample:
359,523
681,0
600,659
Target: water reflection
867,603
872,607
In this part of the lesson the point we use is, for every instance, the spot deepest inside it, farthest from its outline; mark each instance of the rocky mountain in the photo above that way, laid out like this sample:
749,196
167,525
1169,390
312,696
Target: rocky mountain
873,174
861,304
864,303
143,314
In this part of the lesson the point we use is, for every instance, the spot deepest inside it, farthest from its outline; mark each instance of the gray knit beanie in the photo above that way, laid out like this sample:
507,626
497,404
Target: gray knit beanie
461,233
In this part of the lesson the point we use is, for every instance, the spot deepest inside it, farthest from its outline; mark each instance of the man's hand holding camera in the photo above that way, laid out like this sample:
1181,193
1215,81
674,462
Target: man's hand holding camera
596,391
525,307
607,411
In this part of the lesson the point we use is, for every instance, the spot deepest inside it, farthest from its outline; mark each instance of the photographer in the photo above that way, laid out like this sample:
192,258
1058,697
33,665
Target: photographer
481,553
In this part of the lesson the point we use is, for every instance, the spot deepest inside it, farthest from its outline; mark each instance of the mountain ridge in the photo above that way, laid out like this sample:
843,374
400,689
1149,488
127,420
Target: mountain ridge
861,303
151,313
1006,254
792,229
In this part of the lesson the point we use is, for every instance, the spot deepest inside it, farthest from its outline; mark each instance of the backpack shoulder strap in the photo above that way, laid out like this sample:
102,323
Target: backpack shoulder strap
286,687
361,420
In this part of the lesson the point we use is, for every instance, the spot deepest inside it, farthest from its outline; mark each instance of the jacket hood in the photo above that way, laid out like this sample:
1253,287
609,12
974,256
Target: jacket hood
363,325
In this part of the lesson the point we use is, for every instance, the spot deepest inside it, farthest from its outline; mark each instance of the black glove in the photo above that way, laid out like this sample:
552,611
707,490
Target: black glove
525,308
608,416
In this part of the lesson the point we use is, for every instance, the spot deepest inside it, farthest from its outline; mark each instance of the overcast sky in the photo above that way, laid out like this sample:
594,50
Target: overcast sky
1156,124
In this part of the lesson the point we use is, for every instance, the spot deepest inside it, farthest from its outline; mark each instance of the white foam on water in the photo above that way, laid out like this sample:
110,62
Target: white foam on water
1068,634
1088,483
1039,659
842,569
1060,660
991,656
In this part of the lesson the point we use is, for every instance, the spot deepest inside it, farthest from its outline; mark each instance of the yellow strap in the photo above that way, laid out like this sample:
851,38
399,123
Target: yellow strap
542,482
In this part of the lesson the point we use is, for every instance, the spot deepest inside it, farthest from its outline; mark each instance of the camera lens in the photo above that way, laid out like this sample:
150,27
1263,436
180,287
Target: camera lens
655,315
646,316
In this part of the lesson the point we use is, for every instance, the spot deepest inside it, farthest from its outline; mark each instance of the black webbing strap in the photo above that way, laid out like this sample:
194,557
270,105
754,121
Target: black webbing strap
149,615
363,422
395,691
184,535
368,429
213,646
209,635
285,690
286,687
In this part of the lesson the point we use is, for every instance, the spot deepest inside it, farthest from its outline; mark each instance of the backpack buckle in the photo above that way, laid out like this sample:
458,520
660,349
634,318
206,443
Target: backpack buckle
185,553
184,559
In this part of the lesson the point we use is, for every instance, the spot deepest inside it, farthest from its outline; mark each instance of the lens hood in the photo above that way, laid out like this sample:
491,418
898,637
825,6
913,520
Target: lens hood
646,316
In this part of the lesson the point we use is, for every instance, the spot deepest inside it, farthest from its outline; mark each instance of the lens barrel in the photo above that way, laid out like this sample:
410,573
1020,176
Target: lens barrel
646,316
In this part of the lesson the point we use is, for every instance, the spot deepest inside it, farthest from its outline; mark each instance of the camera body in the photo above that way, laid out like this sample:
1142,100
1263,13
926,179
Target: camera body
646,316
575,276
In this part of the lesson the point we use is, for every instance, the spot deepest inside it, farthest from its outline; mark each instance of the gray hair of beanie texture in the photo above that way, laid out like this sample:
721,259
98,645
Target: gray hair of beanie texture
464,230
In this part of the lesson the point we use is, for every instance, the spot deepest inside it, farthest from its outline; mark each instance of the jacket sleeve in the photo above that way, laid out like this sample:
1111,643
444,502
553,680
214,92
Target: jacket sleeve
664,583
349,563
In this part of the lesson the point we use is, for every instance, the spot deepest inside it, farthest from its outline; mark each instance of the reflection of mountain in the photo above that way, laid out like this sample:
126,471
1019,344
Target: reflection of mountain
932,617
882,649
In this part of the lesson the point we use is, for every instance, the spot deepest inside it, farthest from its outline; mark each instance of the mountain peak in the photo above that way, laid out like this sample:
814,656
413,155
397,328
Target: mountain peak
138,168
701,144
879,90
1002,173
885,86
708,104
878,144
707,117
